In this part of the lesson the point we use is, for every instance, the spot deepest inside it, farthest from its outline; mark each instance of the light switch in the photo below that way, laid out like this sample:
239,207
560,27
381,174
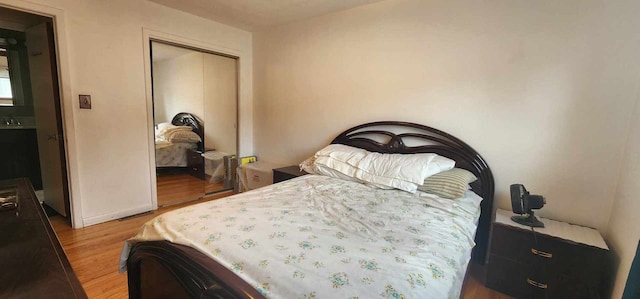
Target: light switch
85,101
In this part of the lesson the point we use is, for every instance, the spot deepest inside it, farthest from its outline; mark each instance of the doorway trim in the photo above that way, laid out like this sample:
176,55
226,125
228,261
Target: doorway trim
66,99
244,117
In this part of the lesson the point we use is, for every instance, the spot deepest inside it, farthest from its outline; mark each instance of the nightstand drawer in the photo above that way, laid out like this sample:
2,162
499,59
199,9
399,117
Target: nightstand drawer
194,156
195,163
558,256
516,245
562,287
514,278
521,281
568,258
196,171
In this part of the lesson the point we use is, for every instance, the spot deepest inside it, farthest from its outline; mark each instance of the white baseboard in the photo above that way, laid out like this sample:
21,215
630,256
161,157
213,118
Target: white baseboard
117,215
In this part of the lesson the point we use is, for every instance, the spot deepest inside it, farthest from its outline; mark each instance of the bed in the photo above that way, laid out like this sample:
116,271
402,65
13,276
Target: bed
316,236
171,155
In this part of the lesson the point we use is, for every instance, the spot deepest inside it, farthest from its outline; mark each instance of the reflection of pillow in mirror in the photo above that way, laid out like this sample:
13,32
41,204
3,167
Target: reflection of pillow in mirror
183,137
162,126
173,128
167,130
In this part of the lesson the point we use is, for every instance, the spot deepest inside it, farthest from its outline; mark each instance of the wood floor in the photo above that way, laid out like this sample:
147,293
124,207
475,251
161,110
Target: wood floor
94,252
182,187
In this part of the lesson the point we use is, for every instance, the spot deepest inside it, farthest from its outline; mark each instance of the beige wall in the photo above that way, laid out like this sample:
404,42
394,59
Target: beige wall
178,86
104,57
624,232
544,90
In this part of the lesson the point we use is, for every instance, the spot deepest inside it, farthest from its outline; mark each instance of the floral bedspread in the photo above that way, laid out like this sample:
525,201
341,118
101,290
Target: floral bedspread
321,237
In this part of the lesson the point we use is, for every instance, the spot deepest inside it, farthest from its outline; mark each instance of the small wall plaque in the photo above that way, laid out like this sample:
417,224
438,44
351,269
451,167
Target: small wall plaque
85,101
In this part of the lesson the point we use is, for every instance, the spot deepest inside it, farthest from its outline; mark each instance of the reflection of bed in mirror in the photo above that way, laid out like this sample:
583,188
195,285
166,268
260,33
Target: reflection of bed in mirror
173,140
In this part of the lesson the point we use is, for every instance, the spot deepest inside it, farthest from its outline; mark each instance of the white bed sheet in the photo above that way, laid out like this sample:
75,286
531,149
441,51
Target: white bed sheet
315,236
174,155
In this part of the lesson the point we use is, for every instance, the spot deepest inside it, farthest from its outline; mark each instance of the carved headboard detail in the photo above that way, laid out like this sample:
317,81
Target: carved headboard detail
188,119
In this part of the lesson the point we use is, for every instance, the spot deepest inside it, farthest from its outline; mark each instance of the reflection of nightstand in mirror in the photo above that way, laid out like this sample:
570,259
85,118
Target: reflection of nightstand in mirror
287,173
195,163
560,261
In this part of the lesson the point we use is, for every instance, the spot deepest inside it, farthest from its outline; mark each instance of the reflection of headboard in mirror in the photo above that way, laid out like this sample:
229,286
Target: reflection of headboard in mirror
188,119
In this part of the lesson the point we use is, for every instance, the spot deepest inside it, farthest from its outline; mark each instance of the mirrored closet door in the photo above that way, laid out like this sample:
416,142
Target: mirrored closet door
195,116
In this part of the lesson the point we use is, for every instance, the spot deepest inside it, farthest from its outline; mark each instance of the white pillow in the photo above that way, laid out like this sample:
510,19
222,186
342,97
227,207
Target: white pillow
401,171
309,165
162,126
160,129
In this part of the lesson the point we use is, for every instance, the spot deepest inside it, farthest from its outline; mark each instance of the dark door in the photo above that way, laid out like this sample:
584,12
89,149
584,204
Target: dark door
48,115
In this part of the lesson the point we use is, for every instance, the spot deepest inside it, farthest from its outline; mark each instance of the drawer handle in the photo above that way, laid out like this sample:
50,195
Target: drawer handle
536,284
541,253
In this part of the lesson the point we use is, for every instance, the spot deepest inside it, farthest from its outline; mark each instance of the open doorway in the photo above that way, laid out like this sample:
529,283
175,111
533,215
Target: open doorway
31,130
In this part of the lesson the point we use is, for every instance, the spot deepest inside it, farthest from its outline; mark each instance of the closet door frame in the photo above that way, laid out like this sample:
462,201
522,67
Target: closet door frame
243,93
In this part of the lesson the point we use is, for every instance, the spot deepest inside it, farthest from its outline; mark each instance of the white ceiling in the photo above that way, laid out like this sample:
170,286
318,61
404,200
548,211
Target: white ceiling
253,14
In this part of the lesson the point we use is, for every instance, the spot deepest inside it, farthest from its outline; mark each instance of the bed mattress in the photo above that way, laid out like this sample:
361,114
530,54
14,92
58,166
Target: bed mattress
322,237
174,155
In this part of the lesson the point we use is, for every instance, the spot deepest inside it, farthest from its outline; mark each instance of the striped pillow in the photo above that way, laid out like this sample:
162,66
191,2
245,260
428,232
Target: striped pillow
450,184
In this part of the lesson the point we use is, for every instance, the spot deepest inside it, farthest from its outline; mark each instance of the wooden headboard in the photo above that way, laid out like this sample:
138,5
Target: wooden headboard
188,119
391,137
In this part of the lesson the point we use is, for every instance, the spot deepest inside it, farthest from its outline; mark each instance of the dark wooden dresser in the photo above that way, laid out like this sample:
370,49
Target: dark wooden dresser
559,261
32,262
287,173
19,155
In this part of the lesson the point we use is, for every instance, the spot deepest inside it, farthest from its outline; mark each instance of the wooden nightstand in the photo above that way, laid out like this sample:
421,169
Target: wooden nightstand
287,173
561,261
195,163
